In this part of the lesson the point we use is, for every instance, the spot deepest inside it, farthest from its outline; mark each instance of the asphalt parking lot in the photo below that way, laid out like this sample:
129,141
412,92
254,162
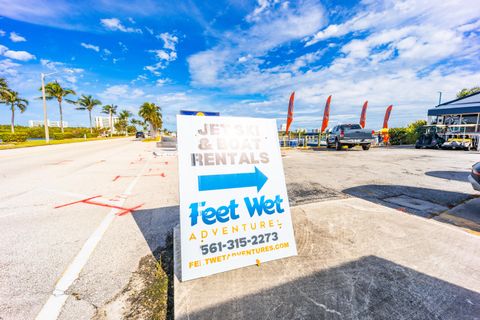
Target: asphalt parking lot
381,234
427,183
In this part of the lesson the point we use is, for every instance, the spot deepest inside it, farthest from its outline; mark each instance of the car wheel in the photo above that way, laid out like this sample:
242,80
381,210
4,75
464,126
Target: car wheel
365,147
338,145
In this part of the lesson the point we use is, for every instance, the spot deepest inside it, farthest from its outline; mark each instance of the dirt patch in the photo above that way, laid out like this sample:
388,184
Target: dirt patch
149,293
302,193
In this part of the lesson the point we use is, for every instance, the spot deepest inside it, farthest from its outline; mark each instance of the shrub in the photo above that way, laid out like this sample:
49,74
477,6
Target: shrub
13,137
61,136
398,136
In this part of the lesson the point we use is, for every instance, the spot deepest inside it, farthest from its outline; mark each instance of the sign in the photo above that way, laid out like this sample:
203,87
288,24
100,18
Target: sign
234,208
199,113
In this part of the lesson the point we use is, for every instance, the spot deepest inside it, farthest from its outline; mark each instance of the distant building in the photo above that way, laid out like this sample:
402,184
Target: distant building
104,122
283,127
53,124
463,113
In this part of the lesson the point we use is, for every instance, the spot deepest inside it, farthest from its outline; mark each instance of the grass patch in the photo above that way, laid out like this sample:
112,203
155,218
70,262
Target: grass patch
39,143
151,139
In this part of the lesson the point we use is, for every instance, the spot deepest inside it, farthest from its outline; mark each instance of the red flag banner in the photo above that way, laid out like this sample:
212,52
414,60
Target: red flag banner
363,115
290,112
326,114
387,116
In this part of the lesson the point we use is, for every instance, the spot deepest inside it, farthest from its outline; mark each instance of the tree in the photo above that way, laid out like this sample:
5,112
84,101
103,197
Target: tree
13,99
53,90
150,112
4,90
124,115
465,92
110,109
87,103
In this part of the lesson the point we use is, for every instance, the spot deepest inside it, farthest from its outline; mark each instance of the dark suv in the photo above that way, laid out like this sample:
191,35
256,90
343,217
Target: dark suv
475,176
140,135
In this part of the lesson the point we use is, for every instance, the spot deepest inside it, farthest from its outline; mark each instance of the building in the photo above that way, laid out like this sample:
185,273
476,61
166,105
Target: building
39,123
283,127
104,122
460,115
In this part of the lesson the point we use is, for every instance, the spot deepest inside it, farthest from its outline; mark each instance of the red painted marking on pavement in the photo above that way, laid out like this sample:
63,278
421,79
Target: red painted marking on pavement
70,203
116,178
129,210
122,211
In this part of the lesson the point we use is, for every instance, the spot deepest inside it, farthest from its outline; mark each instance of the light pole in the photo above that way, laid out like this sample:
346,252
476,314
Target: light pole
439,97
45,117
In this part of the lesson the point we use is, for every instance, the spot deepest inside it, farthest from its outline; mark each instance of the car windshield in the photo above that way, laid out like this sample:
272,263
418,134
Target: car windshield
351,126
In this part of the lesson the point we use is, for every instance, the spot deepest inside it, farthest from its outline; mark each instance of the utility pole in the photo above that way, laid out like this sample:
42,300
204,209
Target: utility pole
45,118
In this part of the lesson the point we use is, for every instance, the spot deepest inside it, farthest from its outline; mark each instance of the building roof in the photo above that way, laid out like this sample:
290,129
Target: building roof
467,104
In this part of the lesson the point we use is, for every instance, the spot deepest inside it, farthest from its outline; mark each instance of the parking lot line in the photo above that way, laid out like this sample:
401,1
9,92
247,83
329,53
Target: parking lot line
53,306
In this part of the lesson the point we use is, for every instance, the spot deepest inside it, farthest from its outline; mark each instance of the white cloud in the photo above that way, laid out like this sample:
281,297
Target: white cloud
164,55
2,33
8,68
121,92
165,58
169,40
90,46
115,24
16,55
161,82
249,45
122,46
396,52
155,67
15,37
149,30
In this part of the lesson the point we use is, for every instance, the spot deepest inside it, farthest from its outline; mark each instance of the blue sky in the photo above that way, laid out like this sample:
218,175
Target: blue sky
243,58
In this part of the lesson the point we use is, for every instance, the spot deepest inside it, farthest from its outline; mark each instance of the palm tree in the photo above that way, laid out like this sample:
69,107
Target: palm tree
53,90
87,103
110,109
13,99
124,115
150,112
4,91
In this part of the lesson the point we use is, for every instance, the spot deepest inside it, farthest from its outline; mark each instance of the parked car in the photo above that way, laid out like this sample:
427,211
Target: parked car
474,176
140,135
429,138
349,135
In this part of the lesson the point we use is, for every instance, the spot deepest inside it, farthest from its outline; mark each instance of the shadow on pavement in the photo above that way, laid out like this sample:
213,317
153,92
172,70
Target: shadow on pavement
423,202
449,175
156,224
368,288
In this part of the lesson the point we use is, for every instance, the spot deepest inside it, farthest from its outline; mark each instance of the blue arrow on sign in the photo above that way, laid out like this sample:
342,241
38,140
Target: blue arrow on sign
232,180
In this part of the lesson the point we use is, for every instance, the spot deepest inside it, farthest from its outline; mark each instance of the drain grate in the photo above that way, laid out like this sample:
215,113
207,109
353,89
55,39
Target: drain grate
416,204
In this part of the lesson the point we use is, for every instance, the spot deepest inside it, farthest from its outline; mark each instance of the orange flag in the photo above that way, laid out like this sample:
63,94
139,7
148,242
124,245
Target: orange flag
290,112
363,115
326,114
387,117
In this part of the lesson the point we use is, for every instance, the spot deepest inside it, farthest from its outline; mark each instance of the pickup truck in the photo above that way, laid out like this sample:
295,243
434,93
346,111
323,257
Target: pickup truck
349,135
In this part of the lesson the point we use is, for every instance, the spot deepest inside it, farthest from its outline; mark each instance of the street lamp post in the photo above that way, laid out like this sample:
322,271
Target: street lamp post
45,118
439,97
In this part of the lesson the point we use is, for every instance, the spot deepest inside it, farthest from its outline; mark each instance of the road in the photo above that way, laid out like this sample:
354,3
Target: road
85,252
77,261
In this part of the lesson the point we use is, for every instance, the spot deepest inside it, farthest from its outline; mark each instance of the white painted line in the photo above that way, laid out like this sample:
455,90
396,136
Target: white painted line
52,308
